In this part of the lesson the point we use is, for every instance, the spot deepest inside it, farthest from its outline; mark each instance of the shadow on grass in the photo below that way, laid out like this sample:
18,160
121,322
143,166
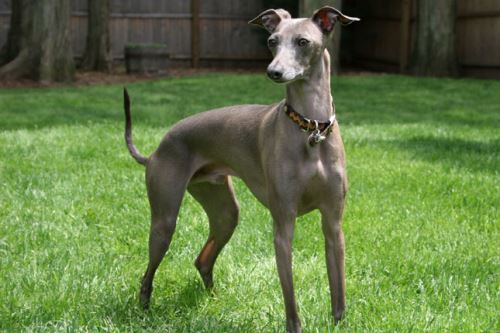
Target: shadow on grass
456,153
190,296
182,312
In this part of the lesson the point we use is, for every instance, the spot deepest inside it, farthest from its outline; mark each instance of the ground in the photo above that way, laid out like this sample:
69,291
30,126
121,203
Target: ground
119,76
421,218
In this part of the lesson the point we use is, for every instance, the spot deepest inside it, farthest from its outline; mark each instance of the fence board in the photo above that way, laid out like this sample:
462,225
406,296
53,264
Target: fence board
4,26
4,20
375,41
79,5
380,41
4,5
78,35
479,47
229,18
474,7
225,33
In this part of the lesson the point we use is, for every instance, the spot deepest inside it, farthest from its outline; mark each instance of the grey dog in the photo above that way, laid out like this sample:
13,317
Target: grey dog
289,154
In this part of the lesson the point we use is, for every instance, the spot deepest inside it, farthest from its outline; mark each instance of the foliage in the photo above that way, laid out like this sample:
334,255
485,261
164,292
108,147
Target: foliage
421,220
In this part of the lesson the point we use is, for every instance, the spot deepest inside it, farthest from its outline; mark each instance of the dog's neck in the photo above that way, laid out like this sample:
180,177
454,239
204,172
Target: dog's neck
311,96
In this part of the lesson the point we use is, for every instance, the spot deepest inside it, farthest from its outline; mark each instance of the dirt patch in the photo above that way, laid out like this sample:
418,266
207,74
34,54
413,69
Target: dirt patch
85,78
81,79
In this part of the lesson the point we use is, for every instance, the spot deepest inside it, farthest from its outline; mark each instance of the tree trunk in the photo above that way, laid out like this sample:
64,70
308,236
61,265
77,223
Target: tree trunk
435,53
38,44
307,8
97,52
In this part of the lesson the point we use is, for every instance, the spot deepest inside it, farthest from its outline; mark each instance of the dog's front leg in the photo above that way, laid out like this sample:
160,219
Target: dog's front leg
284,220
334,250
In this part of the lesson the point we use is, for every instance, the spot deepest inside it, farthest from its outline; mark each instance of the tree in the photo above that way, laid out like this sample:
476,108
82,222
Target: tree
307,8
434,52
97,51
38,43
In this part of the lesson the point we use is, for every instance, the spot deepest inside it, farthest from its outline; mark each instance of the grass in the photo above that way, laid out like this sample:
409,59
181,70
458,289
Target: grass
421,220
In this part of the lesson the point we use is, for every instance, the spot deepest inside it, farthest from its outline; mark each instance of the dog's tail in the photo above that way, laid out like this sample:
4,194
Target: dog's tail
128,131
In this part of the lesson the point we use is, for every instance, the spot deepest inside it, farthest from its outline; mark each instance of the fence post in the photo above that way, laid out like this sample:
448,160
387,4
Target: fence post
404,48
195,33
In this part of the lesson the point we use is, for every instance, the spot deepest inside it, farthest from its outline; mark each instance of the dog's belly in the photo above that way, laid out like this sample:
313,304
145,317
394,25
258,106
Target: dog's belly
212,173
218,173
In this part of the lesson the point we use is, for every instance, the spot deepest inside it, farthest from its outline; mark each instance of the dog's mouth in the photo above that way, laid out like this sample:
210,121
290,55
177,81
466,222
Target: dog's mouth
280,80
293,79
287,77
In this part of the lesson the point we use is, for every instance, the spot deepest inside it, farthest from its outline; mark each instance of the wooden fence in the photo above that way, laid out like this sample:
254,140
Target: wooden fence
215,32
384,40
200,31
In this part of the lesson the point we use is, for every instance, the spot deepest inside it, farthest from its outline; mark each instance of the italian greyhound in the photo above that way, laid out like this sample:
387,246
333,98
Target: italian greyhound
289,154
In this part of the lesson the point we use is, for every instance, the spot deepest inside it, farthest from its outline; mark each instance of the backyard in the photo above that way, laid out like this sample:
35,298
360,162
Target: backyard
421,219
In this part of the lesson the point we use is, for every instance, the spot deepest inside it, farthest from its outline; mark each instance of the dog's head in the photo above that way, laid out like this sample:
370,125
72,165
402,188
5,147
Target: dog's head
297,44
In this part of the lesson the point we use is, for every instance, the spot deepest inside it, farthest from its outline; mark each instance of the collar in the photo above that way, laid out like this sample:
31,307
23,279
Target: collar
319,130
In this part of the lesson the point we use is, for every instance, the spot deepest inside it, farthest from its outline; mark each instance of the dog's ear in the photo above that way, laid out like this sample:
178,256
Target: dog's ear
270,19
326,17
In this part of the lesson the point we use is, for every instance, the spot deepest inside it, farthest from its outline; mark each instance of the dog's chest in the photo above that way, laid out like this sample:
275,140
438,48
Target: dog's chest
308,175
314,177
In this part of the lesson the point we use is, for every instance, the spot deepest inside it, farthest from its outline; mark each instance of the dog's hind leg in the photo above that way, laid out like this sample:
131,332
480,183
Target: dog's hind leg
221,206
166,182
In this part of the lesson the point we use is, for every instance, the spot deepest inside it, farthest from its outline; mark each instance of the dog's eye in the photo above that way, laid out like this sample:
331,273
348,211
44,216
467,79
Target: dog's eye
272,42
303,42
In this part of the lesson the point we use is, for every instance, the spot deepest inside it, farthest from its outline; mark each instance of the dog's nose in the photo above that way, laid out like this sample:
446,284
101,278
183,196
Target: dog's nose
274,75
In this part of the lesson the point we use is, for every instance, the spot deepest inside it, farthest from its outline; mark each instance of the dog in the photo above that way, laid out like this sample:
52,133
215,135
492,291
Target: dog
290,155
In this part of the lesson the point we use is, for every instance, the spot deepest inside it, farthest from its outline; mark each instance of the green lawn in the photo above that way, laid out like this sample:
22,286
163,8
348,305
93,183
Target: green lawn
421,222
